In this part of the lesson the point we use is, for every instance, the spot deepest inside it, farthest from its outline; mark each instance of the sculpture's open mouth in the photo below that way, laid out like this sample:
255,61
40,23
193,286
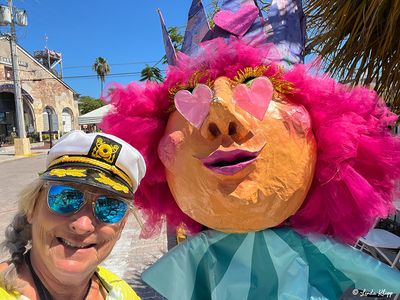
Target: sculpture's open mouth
229,162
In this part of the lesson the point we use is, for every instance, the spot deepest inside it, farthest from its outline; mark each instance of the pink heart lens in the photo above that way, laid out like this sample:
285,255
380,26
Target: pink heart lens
194,106
256,98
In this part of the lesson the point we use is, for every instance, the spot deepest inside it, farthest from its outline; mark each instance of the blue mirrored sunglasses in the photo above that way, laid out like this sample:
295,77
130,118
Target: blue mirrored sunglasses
66,200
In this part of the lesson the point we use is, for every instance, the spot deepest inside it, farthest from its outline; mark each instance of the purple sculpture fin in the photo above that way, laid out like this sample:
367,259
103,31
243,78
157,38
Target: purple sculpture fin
287,29
169,47
196,29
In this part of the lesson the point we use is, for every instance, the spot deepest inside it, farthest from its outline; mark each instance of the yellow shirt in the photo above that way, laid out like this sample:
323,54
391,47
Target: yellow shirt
117,288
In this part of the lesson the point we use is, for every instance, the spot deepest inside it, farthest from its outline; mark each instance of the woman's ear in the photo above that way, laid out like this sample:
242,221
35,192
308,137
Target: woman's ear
121,226
29,217
31,210
123,223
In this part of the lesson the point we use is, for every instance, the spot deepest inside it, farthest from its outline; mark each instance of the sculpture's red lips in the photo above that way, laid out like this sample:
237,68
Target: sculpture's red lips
229,162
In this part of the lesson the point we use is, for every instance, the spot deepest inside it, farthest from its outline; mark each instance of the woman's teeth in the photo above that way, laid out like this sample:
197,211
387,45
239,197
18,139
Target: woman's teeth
74,245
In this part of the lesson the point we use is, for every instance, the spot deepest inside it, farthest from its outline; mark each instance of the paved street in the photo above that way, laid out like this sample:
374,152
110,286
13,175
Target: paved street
130,256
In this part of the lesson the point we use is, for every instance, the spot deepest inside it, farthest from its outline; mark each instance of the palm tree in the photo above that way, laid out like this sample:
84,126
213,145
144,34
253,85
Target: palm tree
151,73
102,68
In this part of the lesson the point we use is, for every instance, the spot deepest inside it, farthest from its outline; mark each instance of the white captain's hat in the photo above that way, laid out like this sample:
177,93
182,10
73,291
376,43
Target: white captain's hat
97,159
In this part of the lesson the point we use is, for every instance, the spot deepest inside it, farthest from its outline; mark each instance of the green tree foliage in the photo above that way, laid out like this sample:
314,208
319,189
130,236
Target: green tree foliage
214,9
151,73
102,68
87,104
176,37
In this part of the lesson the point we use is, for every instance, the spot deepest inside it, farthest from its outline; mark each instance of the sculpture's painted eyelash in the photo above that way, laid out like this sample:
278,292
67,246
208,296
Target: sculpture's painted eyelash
281,86
249,73
196,78
242,76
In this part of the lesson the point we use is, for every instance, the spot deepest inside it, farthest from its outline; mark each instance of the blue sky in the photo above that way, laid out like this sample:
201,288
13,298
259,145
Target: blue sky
126,32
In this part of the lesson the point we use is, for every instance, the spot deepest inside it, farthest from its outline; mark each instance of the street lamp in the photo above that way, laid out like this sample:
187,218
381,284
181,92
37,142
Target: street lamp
49,112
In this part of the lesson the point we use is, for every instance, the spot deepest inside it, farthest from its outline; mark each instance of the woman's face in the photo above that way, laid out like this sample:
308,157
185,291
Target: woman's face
238,172
74,244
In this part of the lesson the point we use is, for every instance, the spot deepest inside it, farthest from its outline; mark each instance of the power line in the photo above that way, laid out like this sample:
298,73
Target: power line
80,76
108,75
118,64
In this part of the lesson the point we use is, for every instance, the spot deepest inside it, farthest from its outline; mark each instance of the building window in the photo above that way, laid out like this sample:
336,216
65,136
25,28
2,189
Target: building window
8,71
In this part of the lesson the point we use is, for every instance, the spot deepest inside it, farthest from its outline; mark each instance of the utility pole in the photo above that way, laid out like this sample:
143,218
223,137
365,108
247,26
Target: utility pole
21,144
19,108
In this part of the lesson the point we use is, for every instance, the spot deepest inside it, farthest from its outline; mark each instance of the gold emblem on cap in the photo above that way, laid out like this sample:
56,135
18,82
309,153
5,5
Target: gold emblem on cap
68,172
115,185
104,150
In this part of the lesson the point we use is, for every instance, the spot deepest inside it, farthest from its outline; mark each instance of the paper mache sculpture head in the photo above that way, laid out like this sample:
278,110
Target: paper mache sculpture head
235,142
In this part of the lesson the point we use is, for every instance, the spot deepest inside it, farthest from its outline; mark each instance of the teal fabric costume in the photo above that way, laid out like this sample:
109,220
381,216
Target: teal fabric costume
269,264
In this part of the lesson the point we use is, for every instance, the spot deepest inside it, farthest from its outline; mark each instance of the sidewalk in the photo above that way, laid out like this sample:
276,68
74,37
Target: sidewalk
8,153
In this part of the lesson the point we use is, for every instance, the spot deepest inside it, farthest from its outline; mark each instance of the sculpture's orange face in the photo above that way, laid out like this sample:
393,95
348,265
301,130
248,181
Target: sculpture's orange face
236,172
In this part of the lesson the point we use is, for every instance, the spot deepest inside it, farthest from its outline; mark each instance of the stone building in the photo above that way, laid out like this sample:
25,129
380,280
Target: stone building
42,92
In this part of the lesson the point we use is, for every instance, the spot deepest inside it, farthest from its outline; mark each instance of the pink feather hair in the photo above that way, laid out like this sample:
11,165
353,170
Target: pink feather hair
358,160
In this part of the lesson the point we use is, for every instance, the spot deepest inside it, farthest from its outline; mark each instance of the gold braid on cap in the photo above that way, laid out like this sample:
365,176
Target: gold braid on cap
94,162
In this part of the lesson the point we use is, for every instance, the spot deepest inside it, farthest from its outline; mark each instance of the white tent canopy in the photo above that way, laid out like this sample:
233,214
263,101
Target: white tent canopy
95,116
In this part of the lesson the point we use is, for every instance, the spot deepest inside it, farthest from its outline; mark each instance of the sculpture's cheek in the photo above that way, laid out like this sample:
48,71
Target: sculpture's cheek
168,146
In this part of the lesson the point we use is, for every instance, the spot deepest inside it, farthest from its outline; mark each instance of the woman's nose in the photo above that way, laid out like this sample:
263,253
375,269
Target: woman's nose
223,120
83,222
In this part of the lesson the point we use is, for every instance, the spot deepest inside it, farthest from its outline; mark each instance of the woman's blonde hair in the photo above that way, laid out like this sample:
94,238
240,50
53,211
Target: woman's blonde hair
18,234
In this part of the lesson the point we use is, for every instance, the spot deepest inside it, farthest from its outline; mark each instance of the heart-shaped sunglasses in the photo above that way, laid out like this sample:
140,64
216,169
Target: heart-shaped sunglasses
254,98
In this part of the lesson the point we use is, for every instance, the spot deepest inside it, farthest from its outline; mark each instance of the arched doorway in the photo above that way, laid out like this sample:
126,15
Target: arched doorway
67,120
8,116
50,118
50,125
50,115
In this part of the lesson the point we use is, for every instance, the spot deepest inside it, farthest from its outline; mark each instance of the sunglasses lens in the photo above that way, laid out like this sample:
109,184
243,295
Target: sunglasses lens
110,210
64,199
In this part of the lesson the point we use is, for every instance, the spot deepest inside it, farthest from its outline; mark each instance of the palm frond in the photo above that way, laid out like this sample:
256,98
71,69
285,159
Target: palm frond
151,73
359,42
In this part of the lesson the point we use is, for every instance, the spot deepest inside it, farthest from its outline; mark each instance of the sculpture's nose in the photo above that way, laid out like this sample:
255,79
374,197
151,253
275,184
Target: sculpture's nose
223,119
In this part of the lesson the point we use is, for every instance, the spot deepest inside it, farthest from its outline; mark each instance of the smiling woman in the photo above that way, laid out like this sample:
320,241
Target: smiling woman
69,221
